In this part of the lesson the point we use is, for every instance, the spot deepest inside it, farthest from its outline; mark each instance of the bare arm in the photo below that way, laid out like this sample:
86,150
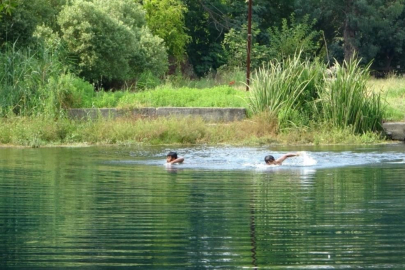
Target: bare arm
280,160
177,160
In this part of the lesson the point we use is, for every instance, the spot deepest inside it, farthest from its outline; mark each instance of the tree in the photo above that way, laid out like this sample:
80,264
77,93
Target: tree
110,40
293,37
165,18
373,29
382,33
7,6
20,18
208,21
284,42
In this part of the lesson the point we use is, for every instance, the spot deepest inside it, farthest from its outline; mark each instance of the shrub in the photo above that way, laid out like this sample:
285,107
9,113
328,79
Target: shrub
147,81
110,40
289,39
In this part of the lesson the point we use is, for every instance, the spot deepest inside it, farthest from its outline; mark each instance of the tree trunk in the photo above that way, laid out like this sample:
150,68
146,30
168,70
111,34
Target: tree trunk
388,61
349,33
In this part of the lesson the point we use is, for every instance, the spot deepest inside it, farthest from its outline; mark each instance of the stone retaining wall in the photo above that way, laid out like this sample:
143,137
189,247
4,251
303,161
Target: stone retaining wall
395,130
208,114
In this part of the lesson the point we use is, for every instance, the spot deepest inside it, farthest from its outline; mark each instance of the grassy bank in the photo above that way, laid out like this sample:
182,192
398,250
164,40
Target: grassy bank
36,132
165,96
289,102
392,90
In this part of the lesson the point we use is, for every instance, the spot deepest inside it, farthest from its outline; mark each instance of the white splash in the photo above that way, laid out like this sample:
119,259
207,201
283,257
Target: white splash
304,159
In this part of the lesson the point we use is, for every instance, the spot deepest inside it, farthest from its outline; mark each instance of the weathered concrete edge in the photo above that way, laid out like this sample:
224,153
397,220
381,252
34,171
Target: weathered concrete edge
395,130
208,114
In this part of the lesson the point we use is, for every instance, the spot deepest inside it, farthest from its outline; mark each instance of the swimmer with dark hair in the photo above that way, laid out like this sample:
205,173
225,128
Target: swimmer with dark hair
270,160
172,158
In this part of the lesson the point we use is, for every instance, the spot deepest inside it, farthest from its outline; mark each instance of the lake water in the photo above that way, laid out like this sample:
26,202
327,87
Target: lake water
111,207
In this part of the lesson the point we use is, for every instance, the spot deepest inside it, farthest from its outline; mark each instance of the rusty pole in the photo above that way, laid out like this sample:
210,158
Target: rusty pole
249,45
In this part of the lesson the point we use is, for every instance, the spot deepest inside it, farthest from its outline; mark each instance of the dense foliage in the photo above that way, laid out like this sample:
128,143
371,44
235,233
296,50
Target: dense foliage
95,31
211,33
58,54
165,18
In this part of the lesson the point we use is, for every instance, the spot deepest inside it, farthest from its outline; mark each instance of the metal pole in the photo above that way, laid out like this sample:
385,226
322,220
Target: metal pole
249,45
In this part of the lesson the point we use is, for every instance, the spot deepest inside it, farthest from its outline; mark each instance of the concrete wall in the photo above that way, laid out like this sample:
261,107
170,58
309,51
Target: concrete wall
395,130
208,114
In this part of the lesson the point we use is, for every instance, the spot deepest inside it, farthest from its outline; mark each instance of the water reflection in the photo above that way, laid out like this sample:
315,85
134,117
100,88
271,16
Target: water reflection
123,207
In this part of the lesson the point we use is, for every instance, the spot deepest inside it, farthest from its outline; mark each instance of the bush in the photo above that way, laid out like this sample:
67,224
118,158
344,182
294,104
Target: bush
147,81
110,40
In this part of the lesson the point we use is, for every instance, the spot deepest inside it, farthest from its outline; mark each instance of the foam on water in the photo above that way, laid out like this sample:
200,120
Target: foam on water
252,158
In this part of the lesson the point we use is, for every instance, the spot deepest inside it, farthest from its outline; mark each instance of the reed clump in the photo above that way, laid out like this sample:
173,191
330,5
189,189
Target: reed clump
346,101
38,82
298,92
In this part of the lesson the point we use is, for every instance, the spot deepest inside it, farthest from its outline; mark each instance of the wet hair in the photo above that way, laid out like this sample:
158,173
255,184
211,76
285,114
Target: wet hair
172,154
269,158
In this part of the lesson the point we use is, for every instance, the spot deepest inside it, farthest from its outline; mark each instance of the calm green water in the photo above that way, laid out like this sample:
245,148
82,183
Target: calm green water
330,208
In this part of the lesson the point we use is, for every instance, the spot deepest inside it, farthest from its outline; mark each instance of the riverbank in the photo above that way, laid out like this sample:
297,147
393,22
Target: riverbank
293,126
258,130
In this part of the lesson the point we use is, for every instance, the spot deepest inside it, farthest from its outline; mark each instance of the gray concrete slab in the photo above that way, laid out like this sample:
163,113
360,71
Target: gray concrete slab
92,113
208,114
395,130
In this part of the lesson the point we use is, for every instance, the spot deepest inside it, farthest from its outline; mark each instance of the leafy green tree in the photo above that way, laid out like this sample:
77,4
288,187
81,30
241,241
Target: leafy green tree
165,18
284,42
7,6
208,21
382,33
17,27
371,28
205,52
335,17
294,37
110,40
235,46
20,18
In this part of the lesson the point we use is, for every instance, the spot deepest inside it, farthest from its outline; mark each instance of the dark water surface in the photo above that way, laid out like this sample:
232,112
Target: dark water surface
111,207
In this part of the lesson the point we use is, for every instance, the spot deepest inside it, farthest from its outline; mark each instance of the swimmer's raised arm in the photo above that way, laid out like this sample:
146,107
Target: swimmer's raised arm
280,160
177,160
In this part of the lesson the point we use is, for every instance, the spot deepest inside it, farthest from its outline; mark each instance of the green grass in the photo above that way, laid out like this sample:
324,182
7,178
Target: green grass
392,91
261,129
219,96
235,77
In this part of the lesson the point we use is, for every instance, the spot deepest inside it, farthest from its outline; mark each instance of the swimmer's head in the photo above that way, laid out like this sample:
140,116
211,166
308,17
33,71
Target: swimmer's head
171,156
269,159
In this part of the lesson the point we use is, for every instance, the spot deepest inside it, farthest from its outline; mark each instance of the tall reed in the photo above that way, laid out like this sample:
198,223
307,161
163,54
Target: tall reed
346,101
27,81
282,88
